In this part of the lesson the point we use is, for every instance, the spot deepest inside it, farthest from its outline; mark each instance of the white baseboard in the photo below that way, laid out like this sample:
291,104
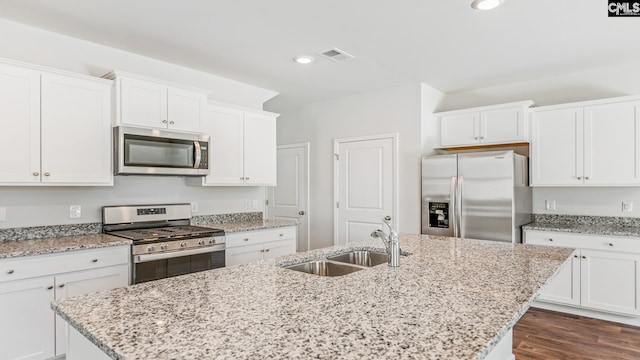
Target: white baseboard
627,320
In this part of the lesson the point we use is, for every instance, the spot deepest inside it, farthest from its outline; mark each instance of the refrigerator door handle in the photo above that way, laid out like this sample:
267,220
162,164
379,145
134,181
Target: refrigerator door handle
453,211
459,206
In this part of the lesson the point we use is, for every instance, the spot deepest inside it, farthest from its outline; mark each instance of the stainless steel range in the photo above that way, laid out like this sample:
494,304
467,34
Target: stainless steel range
165,244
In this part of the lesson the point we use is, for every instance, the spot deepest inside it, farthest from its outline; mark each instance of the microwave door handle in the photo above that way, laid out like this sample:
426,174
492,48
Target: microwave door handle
198,154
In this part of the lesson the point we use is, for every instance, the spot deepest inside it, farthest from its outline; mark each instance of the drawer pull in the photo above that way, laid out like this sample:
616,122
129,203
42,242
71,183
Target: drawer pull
281,234
610,244
49,287
267,250
10,271
262,250
246,239
575,256
94,260
61,286
550,239
584,257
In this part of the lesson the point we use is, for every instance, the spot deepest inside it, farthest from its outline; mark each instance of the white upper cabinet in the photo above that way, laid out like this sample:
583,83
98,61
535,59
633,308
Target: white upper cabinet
20,124
56,128
242,150
142,101
592,144
489,125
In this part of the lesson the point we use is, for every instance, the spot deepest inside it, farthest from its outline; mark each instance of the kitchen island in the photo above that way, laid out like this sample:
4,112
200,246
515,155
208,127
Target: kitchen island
449,299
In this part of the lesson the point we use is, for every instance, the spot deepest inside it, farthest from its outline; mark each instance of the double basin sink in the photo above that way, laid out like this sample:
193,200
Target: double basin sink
342,264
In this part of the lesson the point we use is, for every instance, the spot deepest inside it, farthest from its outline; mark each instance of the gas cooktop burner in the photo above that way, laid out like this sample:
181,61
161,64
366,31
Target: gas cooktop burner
169,232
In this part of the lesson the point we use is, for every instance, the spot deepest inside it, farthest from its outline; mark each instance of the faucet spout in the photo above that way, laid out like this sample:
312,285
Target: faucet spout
391,242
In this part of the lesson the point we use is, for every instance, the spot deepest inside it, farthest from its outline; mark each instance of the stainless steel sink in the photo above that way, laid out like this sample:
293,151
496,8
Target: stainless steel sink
362,258
325,268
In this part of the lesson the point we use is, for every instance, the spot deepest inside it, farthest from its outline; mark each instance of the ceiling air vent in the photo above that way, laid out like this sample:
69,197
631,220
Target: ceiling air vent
336,55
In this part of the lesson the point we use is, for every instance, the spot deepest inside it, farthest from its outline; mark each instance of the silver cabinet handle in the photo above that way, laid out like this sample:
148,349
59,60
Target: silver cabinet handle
584,257
262,250
47,174
49,287
246,178
550,239
610,244
94,260
575,256
35,173
10,271
241,178
61,286
579,177
267,250
246,239
586,178
171,122
475,138
164,121
281,234
300,212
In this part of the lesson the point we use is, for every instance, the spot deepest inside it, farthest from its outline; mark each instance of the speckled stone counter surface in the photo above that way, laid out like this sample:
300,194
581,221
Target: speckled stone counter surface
11,249
43,232
251,225
449,299
595,225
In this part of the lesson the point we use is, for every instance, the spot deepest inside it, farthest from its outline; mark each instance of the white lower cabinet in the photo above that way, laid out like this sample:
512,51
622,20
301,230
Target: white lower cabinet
249,246
604,275
29,329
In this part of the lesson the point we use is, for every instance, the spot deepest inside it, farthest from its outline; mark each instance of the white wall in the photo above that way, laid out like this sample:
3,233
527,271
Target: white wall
380,112
37,206
32,206
588,85
40,47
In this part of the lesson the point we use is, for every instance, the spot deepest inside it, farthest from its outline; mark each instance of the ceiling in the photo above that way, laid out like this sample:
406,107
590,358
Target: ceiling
445,44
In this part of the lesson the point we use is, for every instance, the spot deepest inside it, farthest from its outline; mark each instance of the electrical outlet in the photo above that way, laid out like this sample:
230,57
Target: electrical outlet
247,204
550,205
3,214
627,206
75,211
254,203
194,207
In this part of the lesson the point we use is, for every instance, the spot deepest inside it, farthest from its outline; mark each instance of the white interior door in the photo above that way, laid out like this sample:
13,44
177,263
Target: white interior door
365,180
289,200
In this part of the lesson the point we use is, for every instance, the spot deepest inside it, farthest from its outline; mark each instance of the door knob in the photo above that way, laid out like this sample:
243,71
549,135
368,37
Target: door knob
300,212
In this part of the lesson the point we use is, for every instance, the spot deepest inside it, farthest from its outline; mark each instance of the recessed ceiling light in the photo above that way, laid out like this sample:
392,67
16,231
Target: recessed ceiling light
486,4
303,59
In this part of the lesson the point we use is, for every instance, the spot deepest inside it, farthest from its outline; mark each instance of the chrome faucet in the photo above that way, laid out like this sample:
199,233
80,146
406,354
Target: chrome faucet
391,242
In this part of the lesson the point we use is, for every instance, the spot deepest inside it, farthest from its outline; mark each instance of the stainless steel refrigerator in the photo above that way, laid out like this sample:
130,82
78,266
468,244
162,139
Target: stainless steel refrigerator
479,195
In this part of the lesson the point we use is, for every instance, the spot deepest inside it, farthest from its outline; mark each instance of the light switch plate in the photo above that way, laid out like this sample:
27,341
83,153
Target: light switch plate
3,213
75,211
194,207
247,204
627,206
550,205
254,203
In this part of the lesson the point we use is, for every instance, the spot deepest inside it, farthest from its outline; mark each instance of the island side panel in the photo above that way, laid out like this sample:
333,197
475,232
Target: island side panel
80,348
503,349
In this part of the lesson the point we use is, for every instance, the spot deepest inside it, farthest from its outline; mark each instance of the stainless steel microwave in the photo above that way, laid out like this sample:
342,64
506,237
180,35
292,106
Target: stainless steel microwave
159,152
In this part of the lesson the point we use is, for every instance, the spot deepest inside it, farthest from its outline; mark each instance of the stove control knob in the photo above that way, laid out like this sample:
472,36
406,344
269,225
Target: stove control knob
183,244
201,242
151,248
164,247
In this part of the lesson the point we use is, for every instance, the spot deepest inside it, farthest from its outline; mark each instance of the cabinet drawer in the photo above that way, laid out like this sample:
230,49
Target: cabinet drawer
32,266
260,236
582,241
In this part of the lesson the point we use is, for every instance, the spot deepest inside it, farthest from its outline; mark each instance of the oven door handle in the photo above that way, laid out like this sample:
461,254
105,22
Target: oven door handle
174,254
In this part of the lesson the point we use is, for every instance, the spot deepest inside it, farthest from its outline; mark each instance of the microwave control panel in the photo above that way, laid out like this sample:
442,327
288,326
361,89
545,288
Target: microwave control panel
204,157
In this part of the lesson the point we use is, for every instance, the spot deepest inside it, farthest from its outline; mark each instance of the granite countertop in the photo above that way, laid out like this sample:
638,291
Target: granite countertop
449,299
251,225
593,229
12,249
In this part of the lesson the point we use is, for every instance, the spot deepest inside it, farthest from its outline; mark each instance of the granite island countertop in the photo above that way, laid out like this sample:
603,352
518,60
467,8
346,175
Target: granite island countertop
13,249
591,229
449,299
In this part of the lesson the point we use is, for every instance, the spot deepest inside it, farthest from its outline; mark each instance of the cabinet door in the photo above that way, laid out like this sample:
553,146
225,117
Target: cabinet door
225,126
259,149
76,131
244,254
609,281
20,124
557,147
565,288
502,126
611,133
143,103
185,109
279,248
460,130
26,319
84,282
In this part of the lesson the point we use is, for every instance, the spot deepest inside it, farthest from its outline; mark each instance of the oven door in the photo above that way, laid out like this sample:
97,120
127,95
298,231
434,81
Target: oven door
147,267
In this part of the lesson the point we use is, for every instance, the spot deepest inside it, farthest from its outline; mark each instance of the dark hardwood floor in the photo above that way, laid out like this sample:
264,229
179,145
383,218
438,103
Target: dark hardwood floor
542,334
